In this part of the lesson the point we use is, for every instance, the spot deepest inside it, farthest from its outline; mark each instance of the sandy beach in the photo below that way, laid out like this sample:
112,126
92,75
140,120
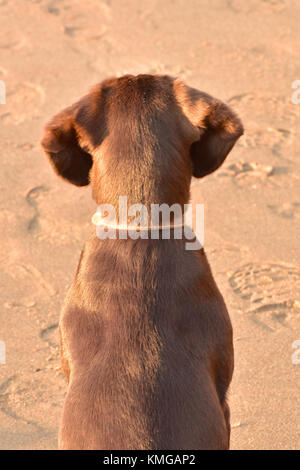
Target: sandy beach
246,54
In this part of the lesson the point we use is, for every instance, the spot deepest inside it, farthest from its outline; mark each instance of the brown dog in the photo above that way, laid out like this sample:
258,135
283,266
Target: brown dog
146,340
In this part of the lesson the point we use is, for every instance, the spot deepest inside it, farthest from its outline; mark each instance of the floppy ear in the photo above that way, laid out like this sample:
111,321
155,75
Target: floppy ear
61,145
218,125
73,131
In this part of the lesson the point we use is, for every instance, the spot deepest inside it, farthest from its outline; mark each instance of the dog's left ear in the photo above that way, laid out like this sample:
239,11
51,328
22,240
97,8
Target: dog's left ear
69,134
219,128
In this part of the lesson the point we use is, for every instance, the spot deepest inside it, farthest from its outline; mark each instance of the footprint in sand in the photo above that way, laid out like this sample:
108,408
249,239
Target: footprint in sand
50,335
29,275
32,199
53,8
10,40
249,173
45,225
265,104
269,137
289,210
75,18
22,102
29,400
272,292
10,397
278,139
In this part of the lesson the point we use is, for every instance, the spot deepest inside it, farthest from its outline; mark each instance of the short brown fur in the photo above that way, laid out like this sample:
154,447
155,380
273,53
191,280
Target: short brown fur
146,340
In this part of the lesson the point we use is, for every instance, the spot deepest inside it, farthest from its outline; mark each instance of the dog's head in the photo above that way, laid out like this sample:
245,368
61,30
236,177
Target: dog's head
142,136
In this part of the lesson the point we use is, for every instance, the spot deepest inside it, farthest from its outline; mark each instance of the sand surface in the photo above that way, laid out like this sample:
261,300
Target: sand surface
247,54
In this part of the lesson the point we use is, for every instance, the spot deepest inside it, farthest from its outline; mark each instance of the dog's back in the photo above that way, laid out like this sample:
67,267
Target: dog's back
150,344
145,336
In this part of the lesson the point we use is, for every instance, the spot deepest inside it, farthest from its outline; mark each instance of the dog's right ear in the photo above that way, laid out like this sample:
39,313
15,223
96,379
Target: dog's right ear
67,138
